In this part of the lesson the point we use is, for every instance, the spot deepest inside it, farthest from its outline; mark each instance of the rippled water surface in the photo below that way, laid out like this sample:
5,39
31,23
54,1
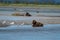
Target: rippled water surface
27,32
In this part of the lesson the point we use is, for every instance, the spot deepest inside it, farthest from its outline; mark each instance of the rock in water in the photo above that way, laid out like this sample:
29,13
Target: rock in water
36,24
3,24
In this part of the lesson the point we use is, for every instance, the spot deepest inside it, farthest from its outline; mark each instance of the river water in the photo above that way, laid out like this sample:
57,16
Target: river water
27,32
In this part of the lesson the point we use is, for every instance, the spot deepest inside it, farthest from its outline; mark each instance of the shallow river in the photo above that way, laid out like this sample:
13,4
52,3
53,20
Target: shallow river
27,32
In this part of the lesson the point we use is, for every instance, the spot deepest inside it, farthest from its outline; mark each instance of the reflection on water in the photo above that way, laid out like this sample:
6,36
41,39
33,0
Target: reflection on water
29,28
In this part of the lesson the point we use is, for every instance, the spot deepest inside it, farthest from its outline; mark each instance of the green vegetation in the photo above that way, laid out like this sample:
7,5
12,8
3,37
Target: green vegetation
29,5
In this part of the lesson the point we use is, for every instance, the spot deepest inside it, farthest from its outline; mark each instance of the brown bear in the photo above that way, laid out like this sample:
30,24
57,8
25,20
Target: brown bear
27,14
21,14
36,24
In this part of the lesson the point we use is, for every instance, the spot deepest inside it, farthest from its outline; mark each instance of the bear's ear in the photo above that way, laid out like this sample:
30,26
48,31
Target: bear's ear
34,21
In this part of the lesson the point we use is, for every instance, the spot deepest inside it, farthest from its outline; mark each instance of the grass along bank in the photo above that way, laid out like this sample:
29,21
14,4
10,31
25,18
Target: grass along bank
31,5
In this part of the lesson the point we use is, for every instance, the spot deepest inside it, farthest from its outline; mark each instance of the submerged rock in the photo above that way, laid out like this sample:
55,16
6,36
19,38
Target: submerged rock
37,11
36,24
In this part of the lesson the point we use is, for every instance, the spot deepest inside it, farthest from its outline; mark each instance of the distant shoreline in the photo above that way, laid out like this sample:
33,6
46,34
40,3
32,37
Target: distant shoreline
32,6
